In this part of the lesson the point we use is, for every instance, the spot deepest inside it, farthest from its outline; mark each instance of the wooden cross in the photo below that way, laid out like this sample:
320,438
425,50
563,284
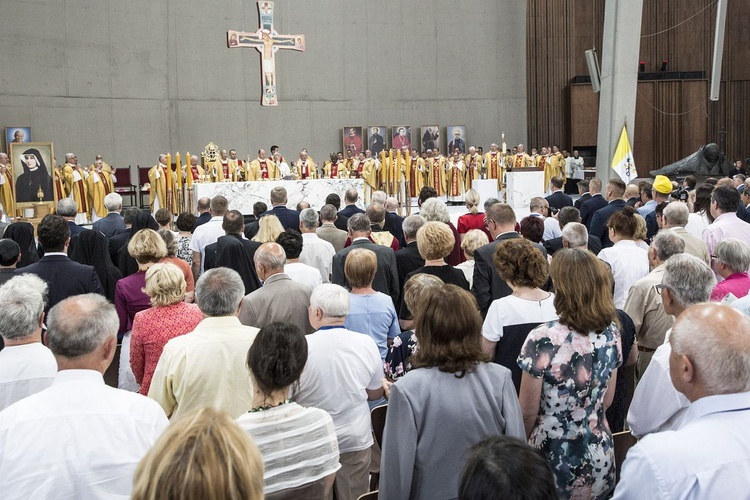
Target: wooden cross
267,41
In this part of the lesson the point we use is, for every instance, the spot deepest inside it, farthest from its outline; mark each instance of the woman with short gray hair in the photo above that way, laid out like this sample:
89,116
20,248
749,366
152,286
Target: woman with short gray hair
731,262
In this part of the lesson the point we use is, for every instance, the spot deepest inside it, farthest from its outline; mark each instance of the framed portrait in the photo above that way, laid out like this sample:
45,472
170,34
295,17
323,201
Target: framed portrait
32,164
376,139
456,137
352,137
401,136
17,134
430,137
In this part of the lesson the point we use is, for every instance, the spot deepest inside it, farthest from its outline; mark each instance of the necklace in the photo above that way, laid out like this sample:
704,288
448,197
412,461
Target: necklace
268,407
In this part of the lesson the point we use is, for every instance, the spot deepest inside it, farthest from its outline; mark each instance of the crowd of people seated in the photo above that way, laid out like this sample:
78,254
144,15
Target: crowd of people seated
327,353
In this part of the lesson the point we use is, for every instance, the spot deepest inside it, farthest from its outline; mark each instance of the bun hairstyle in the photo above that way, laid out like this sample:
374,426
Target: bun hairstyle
277,356
624,222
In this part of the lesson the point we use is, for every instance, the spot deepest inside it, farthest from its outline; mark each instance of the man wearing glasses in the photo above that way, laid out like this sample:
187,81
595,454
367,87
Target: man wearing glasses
657,406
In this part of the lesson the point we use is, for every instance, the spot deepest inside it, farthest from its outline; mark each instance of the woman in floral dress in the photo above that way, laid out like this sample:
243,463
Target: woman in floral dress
570,371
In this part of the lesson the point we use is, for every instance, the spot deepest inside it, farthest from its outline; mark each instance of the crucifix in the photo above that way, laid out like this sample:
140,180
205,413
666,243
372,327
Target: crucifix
267,41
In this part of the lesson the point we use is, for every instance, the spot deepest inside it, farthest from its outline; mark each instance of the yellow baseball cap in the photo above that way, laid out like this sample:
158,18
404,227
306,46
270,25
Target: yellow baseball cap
662,184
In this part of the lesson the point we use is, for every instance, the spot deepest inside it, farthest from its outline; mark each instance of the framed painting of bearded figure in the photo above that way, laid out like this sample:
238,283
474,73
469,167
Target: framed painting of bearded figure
430,137
376,139
32,164
353,140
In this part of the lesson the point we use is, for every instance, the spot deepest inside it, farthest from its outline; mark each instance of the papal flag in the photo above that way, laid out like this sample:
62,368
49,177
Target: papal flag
622,161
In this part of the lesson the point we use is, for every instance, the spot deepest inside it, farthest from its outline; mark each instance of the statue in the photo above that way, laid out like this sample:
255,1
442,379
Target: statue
708,160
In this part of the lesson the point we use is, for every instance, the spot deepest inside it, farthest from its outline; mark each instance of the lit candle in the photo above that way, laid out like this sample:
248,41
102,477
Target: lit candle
169,171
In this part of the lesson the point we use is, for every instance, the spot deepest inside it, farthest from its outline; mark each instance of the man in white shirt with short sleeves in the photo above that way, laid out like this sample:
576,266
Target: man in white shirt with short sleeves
708,455
342,373
26,366
208,233
78,438
316,251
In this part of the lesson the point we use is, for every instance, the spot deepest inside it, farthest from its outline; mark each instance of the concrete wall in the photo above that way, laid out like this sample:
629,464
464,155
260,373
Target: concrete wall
132,78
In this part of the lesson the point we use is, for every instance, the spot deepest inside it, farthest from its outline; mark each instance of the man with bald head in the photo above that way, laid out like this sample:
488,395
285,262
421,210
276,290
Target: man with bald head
52,441
280,298
594,203
708,456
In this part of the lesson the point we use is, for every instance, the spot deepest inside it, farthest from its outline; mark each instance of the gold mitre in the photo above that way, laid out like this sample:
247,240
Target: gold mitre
211,153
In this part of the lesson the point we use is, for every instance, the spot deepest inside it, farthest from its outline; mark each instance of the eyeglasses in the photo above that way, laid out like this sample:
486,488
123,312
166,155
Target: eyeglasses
659,287
487,221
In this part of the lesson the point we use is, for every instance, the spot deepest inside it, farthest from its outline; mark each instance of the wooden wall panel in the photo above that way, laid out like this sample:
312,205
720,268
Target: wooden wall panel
672,118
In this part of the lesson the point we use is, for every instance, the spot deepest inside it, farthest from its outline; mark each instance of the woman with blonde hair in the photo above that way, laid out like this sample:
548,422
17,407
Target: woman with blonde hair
452,401
470,242
169,317
570,372
433,209
269,228
146,248
435,242
370,312
474,219
203,455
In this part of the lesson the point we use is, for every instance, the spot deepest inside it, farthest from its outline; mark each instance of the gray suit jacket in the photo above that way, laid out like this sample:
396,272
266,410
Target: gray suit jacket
386,277
279,299
332,235
110,225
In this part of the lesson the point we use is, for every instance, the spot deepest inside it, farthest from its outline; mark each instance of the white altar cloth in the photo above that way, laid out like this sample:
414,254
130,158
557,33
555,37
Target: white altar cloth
243,195
522,185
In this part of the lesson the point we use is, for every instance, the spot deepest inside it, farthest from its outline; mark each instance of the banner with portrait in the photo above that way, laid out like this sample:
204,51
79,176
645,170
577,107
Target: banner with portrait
32,164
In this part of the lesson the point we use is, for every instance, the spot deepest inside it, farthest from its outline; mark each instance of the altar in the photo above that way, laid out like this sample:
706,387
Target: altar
243,195
522,185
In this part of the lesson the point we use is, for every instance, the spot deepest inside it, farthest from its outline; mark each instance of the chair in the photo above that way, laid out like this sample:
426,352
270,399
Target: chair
143,179
623,442
373,495
377,416
124,188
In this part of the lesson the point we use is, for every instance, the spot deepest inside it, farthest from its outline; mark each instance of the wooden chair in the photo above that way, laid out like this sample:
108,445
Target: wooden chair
623,442
373,495
124,188
377,416
143,179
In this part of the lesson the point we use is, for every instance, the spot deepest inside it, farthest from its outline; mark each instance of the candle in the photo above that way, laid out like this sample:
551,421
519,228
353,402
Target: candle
189,169
178,170
169,171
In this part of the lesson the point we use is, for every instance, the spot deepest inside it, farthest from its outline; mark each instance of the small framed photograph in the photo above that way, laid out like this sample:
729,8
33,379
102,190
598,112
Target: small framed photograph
352,137
32,164
17,135
430,137
401,137
376,139
456,137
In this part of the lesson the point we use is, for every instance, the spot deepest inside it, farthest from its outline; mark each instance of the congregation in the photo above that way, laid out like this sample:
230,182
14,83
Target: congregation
303,353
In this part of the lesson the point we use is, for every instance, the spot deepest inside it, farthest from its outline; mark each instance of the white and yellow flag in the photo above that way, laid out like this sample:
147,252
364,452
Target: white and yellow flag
622,161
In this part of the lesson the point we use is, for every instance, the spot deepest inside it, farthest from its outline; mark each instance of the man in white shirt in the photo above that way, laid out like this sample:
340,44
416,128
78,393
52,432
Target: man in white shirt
539,207
26,366
316,251
708,456
291,241
79,438
208,233
206,367
342,373
657,406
